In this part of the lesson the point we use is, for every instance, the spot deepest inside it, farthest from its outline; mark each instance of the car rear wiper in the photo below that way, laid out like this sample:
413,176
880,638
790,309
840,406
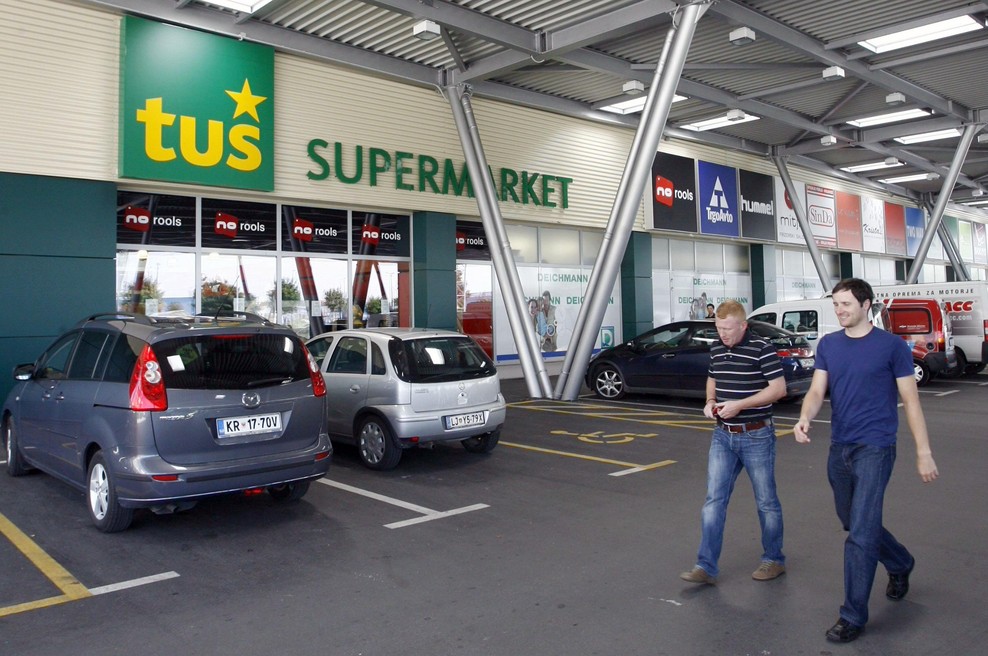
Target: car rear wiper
264,382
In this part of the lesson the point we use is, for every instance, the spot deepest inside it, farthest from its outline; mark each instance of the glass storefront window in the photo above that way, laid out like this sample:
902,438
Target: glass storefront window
475,304
660,253
592,242
381,294
682,255
156,219
737,258
239,283
383,235
524,243
559,246
313,230
315,295
709,257
156,283
239,224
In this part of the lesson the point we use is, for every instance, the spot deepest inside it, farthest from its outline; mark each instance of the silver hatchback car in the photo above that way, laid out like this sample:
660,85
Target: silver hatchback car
145,413
394,388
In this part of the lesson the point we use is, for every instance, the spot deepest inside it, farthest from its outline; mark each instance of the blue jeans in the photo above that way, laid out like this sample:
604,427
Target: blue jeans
729,453
858,474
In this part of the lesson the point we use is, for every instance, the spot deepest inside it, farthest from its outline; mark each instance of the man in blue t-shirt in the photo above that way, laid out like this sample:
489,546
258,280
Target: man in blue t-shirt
865,369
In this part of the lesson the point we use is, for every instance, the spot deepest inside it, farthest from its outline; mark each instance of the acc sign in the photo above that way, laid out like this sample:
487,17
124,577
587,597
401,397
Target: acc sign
958,306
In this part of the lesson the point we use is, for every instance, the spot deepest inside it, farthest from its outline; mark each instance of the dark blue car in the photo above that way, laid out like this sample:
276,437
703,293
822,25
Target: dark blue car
673,359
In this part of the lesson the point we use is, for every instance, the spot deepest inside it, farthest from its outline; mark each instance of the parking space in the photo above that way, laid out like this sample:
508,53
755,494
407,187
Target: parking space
567,539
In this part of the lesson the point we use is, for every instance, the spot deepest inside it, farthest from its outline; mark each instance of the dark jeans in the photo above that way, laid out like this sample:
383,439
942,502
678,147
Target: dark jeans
858,475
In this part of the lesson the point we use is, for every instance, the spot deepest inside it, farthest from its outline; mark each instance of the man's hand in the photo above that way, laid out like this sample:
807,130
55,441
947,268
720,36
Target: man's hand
927,468
801,431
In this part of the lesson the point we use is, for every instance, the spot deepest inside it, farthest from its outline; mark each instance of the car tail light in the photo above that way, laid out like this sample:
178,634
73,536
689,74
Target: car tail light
986,330
318,384
147,388
796,352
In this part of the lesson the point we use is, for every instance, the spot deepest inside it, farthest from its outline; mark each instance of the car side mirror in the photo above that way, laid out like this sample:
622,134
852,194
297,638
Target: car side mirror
24,371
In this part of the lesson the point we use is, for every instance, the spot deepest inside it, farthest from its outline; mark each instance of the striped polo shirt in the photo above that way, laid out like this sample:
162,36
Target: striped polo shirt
744,370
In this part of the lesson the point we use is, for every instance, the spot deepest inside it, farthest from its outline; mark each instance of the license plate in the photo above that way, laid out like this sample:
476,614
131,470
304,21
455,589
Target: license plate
462,421
248,425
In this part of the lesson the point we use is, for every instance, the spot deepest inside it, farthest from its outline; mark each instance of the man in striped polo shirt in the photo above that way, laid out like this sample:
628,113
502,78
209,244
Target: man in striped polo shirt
744,379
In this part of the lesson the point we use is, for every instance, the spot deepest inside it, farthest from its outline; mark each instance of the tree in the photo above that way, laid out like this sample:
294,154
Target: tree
217,296
334,300
289,292
149,290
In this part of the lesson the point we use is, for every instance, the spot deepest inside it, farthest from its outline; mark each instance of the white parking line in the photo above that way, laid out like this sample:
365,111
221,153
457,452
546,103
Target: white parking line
428,514
948,392
133,583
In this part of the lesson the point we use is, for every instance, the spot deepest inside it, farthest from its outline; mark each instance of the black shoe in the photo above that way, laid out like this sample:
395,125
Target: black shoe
843,631
898,586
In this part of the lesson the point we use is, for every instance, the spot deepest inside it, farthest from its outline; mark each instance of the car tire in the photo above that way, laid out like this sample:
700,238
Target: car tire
376,445
921,373
15,461
288,492
482,443
608,383
101,496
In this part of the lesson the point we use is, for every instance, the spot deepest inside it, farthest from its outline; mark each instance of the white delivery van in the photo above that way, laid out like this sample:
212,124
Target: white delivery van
811,317
966,303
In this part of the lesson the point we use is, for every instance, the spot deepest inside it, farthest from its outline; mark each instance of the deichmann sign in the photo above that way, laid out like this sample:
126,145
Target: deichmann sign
411,172
195,107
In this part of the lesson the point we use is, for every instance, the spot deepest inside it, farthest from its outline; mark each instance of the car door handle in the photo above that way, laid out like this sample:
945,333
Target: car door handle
355,388
666,356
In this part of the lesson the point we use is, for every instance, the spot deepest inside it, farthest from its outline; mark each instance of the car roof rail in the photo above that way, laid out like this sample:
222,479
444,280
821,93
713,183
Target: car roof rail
235,314
121,316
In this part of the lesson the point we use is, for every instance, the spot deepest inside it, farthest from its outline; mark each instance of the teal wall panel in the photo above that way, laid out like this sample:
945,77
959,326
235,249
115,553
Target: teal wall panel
636,285
434,262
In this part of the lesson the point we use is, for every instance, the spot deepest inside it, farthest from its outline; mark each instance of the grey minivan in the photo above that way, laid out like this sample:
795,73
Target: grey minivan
391,389
146,413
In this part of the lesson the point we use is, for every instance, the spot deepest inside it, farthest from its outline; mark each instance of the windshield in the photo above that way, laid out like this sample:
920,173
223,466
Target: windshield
440,359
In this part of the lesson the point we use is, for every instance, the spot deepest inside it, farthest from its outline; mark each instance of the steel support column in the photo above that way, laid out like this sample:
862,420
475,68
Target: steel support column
529,355
967,137
804,224
953,253
628,198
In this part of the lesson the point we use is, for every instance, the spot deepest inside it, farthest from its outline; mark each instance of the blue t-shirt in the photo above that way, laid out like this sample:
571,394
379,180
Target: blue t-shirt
861,373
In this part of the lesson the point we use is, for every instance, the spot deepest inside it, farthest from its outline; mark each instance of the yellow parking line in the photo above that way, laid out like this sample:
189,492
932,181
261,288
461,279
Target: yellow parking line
606,461
71,588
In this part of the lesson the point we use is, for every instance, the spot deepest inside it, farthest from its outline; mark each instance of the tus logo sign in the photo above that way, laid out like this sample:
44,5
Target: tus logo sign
195,107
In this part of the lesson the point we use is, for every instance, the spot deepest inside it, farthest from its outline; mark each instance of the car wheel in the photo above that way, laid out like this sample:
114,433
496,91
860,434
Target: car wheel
15,461
482,443
608,382
108,515
922,373
287,492
377,447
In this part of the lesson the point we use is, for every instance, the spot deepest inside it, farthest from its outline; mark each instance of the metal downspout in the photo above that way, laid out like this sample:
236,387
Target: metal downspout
948,185
532,364
804,224
628,197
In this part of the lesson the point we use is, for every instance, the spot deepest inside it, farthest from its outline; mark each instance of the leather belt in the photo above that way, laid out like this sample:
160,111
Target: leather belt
744,428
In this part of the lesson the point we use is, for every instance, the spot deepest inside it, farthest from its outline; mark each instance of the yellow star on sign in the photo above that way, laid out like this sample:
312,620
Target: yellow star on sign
246,101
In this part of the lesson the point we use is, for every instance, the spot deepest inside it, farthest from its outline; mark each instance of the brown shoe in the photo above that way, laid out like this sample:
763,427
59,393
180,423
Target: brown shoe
768,570
698,575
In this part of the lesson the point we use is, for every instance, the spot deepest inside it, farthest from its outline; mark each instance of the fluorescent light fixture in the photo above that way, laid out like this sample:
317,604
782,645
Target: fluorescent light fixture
929,136
917,35
426,30
978,202
982,138
632,87
978,192
895,99
828,140
889,162
632,106
833,73
243,6
741,36
889,117
912,177
733,117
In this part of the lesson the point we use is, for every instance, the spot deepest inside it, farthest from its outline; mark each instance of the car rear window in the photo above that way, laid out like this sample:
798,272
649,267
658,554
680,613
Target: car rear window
911,321
440,359
231,361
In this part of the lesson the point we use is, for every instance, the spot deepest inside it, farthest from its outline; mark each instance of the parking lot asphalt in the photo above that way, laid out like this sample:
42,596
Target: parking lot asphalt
567,539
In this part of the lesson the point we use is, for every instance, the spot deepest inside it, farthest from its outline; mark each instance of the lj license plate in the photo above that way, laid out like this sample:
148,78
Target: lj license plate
462,421
248,425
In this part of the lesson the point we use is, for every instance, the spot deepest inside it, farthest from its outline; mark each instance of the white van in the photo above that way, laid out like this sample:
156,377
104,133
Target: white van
966,303
811,317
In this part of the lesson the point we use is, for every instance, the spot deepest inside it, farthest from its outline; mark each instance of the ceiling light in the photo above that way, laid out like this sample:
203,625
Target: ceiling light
895,98
622,105
741,36
889,162
889,117
917,35
733,117
633,87
929,136
828,140
982,138
912,177
978,202
978,192
244,6
426,30
833,73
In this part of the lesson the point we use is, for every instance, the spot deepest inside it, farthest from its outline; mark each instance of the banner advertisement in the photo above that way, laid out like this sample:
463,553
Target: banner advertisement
915,229
671,204
848,221
696,295
757,205
788,225
553,299
895,229
822,215
872,224
718,189
965,241
471,242
980,246
662,307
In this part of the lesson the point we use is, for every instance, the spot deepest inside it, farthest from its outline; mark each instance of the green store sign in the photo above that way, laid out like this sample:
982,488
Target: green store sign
195,107
424,173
